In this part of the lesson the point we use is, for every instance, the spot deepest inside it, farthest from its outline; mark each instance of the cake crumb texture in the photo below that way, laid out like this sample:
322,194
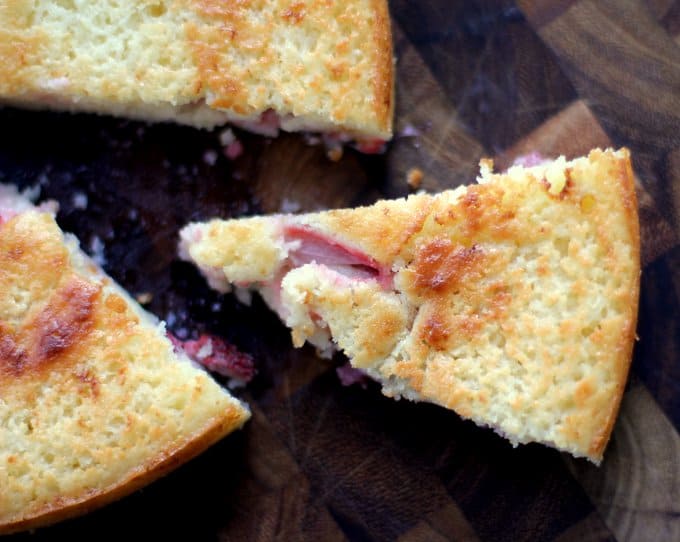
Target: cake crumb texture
94,402
513,301
319,65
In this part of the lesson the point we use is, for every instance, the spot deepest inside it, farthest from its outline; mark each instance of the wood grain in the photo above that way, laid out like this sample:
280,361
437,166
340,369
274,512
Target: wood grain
637,491
634,87
447,523
573,132
444,150
322,462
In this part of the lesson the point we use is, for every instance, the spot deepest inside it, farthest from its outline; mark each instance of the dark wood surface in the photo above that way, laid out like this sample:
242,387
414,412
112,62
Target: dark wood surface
323,462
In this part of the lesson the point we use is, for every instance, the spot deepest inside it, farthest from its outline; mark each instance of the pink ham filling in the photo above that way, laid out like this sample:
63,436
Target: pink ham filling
349,375
529,160
269,125
344,263
6,211
5,215
217,356
316,247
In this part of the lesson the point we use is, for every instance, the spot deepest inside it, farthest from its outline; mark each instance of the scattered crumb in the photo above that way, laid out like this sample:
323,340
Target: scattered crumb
49,206
210,157
334,154
144,298
529,160
414,177
218,356
170,319
182,333
32,192
409,131
97,251
227,137
371,146
244,295
289,206
232,147
79,200
234,150
486,166
348,376
312,139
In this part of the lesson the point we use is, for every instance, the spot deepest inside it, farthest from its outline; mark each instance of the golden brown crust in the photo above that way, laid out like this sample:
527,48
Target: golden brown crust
95,403
242,58
192,446
381,230
55,329
440,270
625,181
486,219
323,66
384,66
17,51
518,296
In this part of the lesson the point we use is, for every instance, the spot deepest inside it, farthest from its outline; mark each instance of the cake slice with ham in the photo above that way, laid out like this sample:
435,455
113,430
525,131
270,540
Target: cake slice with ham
322,67
512,301
94,400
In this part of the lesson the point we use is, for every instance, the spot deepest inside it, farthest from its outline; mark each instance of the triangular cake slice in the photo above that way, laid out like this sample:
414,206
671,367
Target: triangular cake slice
512,301
315,66
94,401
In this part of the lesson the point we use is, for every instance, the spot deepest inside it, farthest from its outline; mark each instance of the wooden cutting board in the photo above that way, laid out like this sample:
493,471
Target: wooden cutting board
323,462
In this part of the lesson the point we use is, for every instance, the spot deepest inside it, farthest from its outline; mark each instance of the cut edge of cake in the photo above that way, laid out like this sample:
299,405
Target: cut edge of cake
406,287
27,405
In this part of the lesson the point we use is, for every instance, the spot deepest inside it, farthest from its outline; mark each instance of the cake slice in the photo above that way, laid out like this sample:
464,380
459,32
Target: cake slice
94,401
315,66
512,301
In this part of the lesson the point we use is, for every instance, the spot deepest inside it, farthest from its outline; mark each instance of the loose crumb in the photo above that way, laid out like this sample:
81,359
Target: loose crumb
311,139
217,355
409,131
97,251
143,298
79,200
234,150
32,192
334,154
210,157
414,177
349,376
289,206
529,160
227,137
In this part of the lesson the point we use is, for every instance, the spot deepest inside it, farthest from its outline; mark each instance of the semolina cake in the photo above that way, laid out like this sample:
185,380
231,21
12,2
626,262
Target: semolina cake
260,64
94,401
512,301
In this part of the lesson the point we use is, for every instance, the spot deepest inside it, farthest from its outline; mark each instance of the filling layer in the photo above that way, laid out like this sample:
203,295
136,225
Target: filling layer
313,246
